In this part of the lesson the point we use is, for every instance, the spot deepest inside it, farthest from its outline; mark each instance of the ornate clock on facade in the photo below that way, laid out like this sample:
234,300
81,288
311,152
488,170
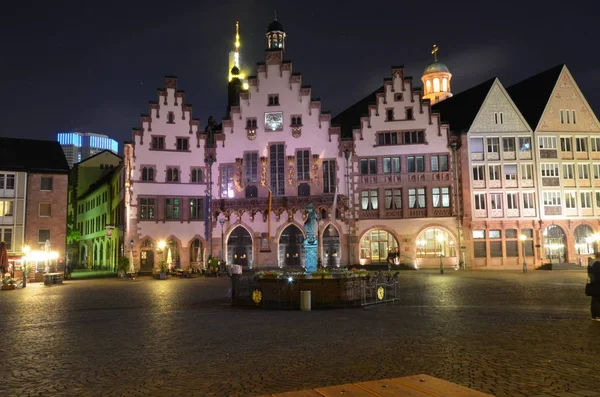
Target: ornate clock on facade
274,121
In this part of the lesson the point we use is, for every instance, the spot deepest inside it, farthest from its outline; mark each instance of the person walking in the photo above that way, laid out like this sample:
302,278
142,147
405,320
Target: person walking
593,287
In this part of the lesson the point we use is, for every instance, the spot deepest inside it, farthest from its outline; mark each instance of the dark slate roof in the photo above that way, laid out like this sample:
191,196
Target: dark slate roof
349,119
461,109
532,95
104,179
32,155
275,26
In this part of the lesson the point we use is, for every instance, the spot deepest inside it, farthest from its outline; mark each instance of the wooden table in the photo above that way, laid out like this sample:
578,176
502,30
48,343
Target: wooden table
408,386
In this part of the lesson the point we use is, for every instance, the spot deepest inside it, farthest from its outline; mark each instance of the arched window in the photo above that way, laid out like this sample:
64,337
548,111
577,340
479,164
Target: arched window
197,176
150,174
427,87
147,174
436,85
584,241
172,175
144,174
433,242
445,84
196,251
376,245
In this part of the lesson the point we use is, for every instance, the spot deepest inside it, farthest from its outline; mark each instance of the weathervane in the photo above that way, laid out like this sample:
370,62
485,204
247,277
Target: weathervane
434,52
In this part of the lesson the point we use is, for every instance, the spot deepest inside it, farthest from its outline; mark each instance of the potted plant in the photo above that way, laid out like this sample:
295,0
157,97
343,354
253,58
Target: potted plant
163,270
8,282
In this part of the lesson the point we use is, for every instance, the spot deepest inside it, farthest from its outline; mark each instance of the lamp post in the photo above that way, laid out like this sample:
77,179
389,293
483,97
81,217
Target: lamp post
440,240
222,222
523,237
25,250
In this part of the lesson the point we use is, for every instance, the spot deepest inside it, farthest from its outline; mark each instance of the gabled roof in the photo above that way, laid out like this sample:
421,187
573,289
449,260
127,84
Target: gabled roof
461,109
531,95
32,155
104,179
98,154
349,119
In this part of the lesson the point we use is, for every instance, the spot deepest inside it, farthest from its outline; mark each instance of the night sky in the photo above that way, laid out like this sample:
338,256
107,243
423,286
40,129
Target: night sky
93,66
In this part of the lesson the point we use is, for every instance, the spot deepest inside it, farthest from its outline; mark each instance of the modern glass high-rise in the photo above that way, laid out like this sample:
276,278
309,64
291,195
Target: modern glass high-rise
78,146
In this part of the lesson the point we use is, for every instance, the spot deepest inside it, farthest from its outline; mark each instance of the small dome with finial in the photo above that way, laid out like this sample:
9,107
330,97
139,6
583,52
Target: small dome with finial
235,71
436,67
436,80
275,26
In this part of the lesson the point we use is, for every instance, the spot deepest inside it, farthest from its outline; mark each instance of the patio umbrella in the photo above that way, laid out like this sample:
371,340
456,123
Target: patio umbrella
198,255
3,258
131,267
169,257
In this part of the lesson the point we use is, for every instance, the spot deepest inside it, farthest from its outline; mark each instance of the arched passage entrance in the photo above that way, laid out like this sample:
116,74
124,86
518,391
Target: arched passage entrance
146,256
291,247
554,243
239,247
331,247
196,252
584,242
375,246
433,241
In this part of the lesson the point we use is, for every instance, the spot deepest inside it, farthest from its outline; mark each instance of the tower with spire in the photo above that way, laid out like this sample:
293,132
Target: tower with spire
275,35
436,79
235,61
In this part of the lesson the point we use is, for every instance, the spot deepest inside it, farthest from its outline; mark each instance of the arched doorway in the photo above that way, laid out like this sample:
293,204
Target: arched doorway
331,247
84,255
196,253
584,242
239,247
147,256
375,246
433,242
554,243
291,247
172,254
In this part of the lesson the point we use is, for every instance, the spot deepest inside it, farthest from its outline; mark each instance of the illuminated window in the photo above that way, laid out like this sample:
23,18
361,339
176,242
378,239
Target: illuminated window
45,210
376,245
444,84
227,180
172,206
436,85
433,243
427,87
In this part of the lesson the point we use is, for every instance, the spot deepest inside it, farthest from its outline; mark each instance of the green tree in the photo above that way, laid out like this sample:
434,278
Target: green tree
73,234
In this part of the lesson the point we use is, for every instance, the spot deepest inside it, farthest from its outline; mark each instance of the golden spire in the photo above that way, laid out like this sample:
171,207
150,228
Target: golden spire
237,37
434,52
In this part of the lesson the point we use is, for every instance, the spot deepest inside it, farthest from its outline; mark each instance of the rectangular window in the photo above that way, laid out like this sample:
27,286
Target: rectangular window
573,117
251,166
529,200
441,197
416,198
439,163
479,201
478,234
547,142
524,143
565,144
510,172
390,115
478,173
409,114
369,199
596,171
412,137
562,116
227,180
476,145
302,165
570,201
498,118
420,160
479,250
45,210
551,198
46,183
43,235
6,208
329,178
595,144
182,144
508,144
496,249
251,123
393,199
196,208
586,199
277,169
147,208
496,201
158,143
512,248
391,165
549,169
172,206
368,166
494,172
387,138
274,100
526,171
581,144
512,202
583,171
493,145
568,171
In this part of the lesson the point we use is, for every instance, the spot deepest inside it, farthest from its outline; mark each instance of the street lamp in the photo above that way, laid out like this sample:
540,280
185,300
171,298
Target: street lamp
222,222
440,240
25,250
523,237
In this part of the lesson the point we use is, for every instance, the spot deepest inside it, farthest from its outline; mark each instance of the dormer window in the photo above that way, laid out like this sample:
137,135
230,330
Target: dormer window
274,100
171,118
296,121
409,114
389,115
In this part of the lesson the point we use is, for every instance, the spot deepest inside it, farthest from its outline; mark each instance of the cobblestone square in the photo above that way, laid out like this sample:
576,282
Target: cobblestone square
502,333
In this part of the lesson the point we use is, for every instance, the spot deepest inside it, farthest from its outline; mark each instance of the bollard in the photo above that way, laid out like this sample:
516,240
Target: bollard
305,304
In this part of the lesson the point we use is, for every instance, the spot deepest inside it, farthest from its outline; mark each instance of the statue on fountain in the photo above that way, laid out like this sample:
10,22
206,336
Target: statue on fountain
311,242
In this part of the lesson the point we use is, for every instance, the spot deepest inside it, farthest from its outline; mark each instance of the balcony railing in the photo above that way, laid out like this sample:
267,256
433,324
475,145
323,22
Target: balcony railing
262,203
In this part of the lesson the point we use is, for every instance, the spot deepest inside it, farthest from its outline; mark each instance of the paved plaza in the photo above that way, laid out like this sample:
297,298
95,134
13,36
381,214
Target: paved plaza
501,333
